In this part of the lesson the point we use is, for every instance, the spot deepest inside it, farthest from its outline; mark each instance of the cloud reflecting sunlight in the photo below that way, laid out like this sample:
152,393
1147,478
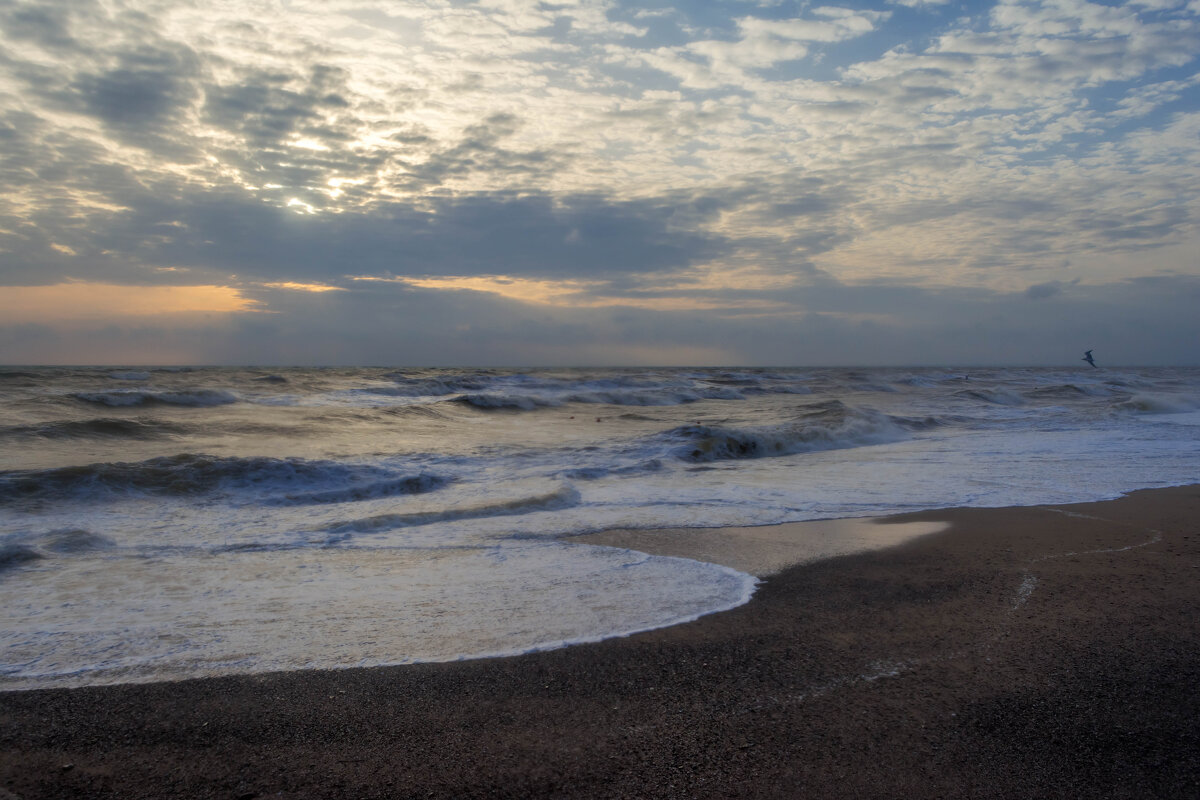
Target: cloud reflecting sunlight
834,183
110,303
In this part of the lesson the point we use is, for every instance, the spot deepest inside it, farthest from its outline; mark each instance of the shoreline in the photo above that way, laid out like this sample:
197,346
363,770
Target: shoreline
1025,651
754,551
766,550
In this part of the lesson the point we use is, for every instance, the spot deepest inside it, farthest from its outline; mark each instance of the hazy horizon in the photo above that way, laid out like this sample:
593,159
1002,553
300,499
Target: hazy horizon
597,366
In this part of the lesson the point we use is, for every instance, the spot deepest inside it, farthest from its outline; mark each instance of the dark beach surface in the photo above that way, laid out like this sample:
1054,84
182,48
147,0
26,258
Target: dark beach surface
1023,652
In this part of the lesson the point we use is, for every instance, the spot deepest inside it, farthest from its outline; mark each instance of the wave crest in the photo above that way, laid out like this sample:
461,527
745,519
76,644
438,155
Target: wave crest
429,387
997,397
74,540
564,497
26,549
192,474
505,402
120,398
1146,403
14,554
595,473
98,428
655,397
410,484
825,426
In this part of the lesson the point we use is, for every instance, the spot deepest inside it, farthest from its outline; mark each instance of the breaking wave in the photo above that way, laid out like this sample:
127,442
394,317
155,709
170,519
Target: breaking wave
15,554
74,540
410,484
138,397
26,549
998,397
529,392
595,473
1146,403
1067,391
663,396
825,426
98,428
655,397
505,402
191,474
429,387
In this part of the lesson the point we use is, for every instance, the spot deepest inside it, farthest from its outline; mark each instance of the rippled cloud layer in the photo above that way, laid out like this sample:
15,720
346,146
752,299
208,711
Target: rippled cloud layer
592,181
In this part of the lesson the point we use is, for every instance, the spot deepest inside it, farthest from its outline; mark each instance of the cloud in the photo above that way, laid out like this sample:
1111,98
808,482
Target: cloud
267,108
728,161
761,43
1040,291
532,237
145,88
1147,321
46,24
82,301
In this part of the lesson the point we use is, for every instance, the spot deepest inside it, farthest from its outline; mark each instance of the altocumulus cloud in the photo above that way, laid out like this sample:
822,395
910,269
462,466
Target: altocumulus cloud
598,182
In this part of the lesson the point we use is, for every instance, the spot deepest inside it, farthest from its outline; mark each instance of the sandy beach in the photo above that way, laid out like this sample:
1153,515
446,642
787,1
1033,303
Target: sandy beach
1019,652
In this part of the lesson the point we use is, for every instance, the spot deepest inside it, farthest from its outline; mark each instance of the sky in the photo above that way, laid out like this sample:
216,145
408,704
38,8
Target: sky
595,182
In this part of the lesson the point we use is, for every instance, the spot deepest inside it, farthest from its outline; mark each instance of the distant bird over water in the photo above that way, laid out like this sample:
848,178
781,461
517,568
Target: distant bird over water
1087,356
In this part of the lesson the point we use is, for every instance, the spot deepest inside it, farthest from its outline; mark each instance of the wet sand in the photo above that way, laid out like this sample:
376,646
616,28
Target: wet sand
768,549
1023,652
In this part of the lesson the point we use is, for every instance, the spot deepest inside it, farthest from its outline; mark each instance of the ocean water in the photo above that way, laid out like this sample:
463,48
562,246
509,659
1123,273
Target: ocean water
170,523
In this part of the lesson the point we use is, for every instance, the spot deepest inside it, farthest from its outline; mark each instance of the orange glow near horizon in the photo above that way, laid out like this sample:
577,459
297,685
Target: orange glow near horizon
571,293
542,292
302,287
92,301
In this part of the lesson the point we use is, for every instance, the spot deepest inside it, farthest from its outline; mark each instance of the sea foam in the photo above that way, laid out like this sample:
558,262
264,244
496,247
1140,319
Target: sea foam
219,522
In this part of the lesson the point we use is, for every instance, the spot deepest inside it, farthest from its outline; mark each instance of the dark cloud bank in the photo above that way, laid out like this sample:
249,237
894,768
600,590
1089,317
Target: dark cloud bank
1136,322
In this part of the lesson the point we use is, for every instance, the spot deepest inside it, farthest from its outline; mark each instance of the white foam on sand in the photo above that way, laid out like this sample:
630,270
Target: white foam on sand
81,621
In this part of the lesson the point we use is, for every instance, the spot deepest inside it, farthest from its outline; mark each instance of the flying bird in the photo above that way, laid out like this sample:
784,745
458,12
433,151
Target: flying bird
1087,356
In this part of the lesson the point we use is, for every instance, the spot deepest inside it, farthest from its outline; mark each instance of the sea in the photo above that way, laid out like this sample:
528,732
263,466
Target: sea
173,523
